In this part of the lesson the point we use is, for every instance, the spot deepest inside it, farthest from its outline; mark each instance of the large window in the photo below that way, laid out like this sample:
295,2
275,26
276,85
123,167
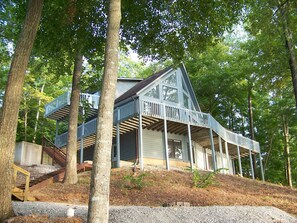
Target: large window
175,149
170,94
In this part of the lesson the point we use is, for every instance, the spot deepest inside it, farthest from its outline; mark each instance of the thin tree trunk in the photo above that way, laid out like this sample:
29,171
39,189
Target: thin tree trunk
25,119
37,114
268,154
71,151
99,189
252,132
11,103
287,151
290,47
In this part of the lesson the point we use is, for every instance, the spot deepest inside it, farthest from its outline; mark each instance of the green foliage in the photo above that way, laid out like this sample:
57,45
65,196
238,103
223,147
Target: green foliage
135,181
203,180
169,29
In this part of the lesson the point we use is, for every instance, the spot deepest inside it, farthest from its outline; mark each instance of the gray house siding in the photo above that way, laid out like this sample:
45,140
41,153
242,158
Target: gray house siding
154,146
128,146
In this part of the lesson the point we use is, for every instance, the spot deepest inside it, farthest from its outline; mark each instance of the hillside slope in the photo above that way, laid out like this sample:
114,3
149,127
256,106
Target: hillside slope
161,187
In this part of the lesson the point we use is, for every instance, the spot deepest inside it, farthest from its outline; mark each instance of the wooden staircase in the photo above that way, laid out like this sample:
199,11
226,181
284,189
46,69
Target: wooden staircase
54,152
22,192
55,176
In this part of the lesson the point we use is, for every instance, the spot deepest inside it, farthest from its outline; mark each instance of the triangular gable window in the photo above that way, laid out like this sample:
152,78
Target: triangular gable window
153,93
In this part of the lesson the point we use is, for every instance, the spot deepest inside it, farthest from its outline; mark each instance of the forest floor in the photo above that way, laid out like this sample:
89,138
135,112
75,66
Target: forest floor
160,187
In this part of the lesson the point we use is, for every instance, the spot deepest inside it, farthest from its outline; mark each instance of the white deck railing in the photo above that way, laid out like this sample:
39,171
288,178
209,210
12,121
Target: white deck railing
64,99
173,113
201,119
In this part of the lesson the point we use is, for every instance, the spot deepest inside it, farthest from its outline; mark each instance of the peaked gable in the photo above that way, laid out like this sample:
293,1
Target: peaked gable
170,86
142,84
174,88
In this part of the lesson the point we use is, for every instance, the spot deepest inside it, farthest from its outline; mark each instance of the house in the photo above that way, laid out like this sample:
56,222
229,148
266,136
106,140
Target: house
158,121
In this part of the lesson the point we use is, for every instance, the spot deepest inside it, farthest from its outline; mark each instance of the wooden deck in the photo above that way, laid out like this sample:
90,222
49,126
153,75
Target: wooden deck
153,115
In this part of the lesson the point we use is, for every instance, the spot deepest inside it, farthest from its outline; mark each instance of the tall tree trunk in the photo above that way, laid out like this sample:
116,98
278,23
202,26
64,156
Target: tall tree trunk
37,114
287,151
252,132
99,189
11,103
71,151
290,46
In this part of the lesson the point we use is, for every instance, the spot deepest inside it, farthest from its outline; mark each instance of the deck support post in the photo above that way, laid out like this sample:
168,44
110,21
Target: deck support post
213,150
118,165
82,138
190,146
261,166
239,160
140,143
57,131
251,163
221,153
228,159
166,140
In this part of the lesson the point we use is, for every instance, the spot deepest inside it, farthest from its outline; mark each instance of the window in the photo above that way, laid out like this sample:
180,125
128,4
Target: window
210,162
170,94
184,86
186,101
154,93
171,80
175,149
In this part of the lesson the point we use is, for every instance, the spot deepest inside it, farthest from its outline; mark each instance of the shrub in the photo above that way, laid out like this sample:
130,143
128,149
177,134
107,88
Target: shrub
204,180
135,181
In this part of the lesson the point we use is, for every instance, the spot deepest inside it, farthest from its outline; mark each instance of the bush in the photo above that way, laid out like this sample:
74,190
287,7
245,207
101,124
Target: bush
204,180
135,181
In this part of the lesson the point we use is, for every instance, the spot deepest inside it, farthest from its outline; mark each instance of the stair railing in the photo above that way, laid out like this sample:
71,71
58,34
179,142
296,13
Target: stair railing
57,153
17,169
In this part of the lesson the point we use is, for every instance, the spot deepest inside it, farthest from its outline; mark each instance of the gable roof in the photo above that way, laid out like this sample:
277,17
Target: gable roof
132,91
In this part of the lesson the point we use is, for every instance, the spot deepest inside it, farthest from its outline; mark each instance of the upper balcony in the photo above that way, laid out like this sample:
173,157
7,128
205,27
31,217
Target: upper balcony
59,108
158,111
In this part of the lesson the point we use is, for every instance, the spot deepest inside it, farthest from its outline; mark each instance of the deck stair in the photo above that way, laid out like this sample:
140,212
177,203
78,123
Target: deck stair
21,193
58,155
55,176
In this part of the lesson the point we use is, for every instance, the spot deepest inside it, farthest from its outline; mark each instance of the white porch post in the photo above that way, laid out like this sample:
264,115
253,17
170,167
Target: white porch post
251,163
261,166
239,160
221,153
140,148
57,131
190,146
82,139
213,150
166,139
118,140
227,155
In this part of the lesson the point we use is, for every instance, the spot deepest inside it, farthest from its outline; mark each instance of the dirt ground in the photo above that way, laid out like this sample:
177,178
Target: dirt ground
160,187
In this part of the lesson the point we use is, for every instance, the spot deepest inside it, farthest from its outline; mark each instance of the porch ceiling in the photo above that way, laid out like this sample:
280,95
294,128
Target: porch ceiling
199,134
63,112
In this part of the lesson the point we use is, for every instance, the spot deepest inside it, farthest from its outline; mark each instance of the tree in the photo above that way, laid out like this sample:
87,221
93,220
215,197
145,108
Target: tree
11,102
71,157
99,189
277,19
